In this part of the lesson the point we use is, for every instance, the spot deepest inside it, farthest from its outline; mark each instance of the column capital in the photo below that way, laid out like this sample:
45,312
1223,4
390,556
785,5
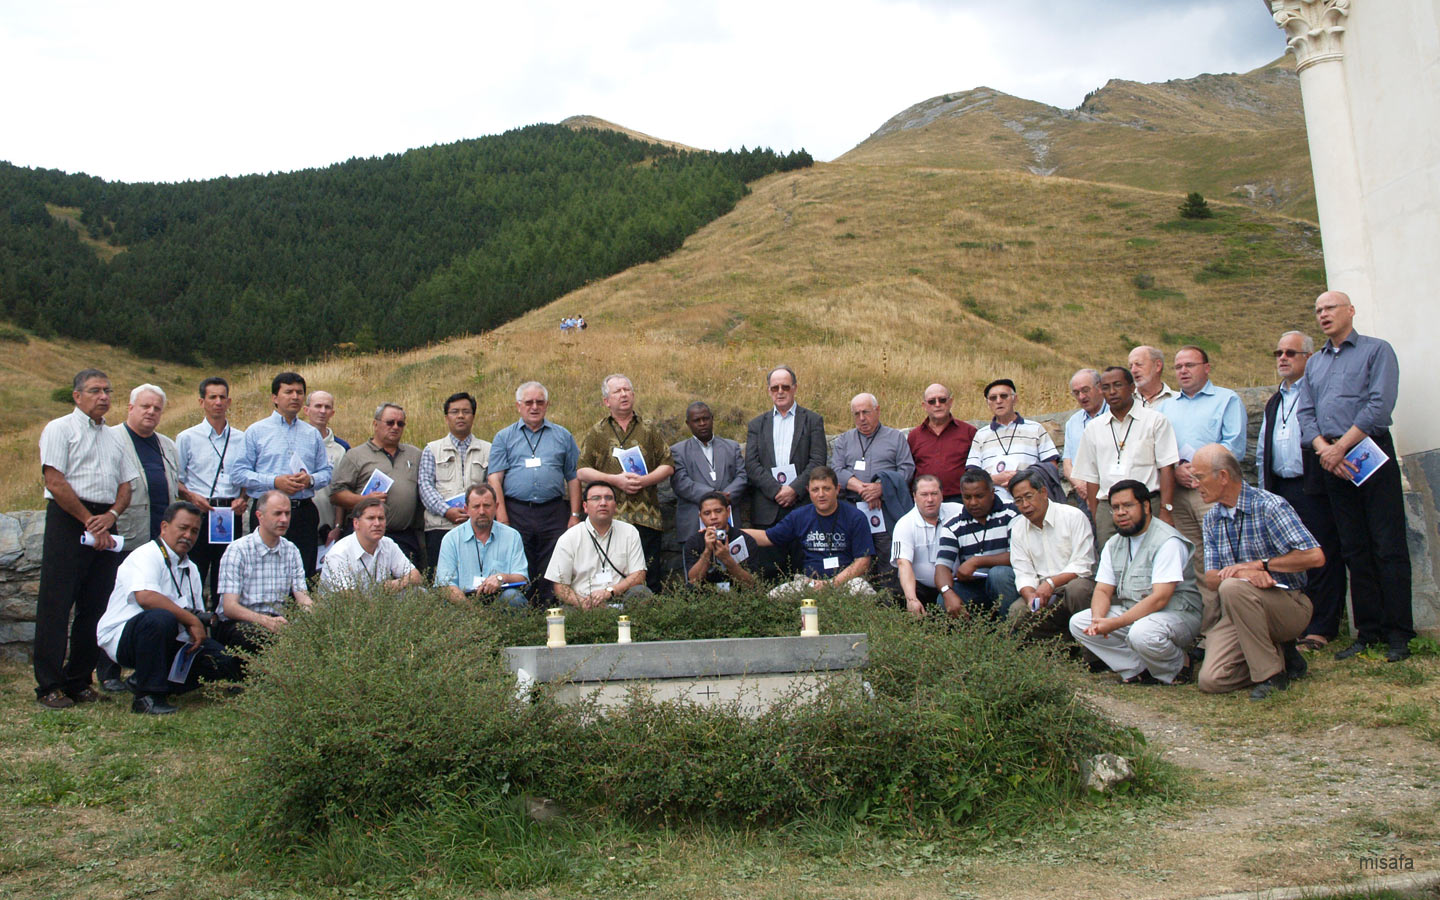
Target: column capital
1314,29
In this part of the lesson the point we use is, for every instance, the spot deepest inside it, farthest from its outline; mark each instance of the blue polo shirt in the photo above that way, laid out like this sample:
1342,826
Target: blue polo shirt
839,538
552,445
463,557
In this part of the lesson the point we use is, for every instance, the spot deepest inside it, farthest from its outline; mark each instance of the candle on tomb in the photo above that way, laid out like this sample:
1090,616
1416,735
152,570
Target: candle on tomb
624,625
809,618
555,627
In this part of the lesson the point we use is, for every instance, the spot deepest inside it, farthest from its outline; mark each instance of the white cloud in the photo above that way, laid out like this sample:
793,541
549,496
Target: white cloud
168,91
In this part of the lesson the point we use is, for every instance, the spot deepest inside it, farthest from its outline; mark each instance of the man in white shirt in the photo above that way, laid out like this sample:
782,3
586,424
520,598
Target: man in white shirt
1127,441
916,544
601,560
1145,610
367,557
154,613
259,575
1052,551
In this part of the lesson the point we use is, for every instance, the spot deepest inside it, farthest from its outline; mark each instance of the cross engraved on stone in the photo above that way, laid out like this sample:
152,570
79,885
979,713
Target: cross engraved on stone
709,692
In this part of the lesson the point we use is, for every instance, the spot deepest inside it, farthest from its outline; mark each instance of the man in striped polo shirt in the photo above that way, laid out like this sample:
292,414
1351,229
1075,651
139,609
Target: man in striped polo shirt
972,568
1010,442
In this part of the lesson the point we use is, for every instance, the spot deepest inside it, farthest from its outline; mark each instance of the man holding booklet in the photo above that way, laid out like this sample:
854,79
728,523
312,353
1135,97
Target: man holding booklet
483,558
1347,397
448,466
383,467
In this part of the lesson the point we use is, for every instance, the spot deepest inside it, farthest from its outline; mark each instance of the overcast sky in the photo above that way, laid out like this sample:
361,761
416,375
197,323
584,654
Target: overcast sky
162,91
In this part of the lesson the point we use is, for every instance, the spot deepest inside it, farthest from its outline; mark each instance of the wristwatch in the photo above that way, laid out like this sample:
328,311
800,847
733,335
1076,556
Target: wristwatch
1169,507
1265,564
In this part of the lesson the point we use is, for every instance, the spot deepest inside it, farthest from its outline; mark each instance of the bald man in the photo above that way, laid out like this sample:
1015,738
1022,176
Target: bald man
1147,365
940,444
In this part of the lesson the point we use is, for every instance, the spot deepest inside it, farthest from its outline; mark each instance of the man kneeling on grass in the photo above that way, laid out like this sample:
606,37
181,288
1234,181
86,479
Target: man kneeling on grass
717,553
259,575
833,536
1146,607
154,607
600,561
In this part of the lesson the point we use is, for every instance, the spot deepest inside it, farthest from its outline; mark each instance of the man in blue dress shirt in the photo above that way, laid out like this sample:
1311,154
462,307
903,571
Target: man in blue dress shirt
285,454
1348,394
482,556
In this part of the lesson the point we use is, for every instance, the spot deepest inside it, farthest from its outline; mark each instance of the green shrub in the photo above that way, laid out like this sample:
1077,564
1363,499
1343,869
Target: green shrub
64,394
1195,207
1144,281
11,334
377,713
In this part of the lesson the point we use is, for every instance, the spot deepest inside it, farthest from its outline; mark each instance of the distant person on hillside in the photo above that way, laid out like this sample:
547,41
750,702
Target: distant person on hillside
833,539
703,463
782,447
940,444
874,466
287,455
319,409
1147,366
1010,443
448,466
580,321
534,471
637,493
87,486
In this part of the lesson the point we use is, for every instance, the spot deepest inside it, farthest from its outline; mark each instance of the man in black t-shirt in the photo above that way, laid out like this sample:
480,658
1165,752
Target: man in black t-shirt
717,554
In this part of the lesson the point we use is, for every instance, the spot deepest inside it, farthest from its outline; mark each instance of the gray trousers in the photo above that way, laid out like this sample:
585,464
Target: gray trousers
1155,642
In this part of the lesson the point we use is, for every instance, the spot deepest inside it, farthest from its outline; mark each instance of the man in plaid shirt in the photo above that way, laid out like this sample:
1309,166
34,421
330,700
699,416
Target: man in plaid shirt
259,574
1256,555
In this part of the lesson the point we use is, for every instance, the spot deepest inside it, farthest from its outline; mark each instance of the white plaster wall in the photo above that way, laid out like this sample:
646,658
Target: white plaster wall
1392,70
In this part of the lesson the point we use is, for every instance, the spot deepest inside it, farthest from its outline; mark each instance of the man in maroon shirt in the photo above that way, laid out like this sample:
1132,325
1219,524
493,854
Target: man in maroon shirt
941,443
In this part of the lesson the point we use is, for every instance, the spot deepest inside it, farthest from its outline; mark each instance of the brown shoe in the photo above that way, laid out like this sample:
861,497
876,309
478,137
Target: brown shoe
56,699
86,694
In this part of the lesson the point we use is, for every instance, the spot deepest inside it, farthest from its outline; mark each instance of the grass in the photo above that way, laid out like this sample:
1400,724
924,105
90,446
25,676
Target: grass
70,217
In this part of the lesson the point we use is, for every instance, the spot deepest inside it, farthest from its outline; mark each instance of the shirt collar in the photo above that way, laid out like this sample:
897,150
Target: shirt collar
86,419
1104,408
461,445
277,419
996,426
1349,339
1207,388
786,415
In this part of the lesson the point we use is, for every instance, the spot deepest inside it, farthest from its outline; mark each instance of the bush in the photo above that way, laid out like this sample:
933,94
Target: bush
13,335
1144,281
376,708
1195,207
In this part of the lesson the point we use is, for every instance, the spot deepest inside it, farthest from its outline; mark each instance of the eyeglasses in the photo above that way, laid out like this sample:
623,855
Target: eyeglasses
1179,366
781,388
533,402
393,423
95,392
1289,353
936,401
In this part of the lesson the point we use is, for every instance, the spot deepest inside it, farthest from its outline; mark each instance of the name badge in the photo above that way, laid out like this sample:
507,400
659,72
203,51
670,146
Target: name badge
1282,430
1117,468
859,465
712,474
533,462
830,562
475,586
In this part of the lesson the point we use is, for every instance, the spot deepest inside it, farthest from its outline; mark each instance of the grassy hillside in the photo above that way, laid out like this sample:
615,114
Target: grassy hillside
1240,137
879,278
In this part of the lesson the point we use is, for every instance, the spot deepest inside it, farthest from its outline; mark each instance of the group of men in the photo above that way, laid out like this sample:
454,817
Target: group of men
946,517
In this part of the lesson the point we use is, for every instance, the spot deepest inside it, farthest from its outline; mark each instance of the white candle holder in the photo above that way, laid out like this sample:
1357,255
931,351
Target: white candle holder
809,618
555,627
624,630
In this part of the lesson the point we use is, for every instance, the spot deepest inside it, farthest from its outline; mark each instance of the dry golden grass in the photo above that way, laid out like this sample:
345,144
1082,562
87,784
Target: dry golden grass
578,122
875,278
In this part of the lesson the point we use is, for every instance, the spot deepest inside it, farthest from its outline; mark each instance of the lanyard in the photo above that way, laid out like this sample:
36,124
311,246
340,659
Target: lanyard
180,595
1120,444
865,448
589,532
221,453
480,560
620,435
1284,414
1004,447
539,436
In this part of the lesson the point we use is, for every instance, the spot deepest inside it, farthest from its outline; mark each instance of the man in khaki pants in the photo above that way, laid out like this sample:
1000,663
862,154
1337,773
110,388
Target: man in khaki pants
1256,555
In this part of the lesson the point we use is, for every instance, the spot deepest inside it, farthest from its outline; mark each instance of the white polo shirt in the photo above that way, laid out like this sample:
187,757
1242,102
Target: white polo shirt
148,569
918,542
348,566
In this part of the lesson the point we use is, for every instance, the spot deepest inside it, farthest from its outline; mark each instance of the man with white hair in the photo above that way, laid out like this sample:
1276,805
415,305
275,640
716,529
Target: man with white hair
624,431
873,465
157,460
534,469
1085,388
1147,366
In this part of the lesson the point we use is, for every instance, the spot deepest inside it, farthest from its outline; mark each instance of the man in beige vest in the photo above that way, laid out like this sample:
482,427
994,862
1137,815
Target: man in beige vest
448,468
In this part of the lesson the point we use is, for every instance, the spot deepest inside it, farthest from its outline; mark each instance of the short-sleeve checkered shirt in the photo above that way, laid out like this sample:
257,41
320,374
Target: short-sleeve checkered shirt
1259,526
263,576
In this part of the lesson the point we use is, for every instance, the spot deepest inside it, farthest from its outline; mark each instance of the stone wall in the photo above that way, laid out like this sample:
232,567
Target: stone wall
21,534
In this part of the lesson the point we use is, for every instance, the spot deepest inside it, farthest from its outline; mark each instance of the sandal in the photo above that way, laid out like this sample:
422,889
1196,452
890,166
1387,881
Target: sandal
1311,642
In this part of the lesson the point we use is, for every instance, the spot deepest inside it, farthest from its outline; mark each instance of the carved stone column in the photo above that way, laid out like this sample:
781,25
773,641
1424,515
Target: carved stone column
1314,29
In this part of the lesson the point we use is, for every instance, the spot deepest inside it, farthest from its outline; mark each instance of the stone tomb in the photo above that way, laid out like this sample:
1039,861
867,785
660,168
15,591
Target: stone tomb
756,672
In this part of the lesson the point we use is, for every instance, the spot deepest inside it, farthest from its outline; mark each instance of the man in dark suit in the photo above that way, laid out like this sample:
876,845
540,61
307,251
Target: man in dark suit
703,463
767,464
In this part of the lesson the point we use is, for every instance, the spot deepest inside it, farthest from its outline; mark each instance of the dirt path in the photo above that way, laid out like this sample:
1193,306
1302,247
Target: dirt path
1270,810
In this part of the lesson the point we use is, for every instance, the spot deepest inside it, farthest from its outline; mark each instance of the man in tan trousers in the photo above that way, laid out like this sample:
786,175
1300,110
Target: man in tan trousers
1256,554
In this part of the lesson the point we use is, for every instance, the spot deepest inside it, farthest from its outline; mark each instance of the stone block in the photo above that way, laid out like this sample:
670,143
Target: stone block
1105,770
690,659
11,534
17,653
13,632
18,607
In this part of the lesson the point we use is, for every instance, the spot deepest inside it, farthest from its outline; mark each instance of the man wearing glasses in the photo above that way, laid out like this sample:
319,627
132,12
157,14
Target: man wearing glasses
940,445
87,486
1010,443
1085,388
1201,414
399,488
1346,395
1292,471
782,446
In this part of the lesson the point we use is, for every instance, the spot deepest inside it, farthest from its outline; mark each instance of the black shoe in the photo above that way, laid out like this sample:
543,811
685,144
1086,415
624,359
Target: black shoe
1143,678
1269,686
1396,654
152,705
114,686
1186,675
1295,665
1353,650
